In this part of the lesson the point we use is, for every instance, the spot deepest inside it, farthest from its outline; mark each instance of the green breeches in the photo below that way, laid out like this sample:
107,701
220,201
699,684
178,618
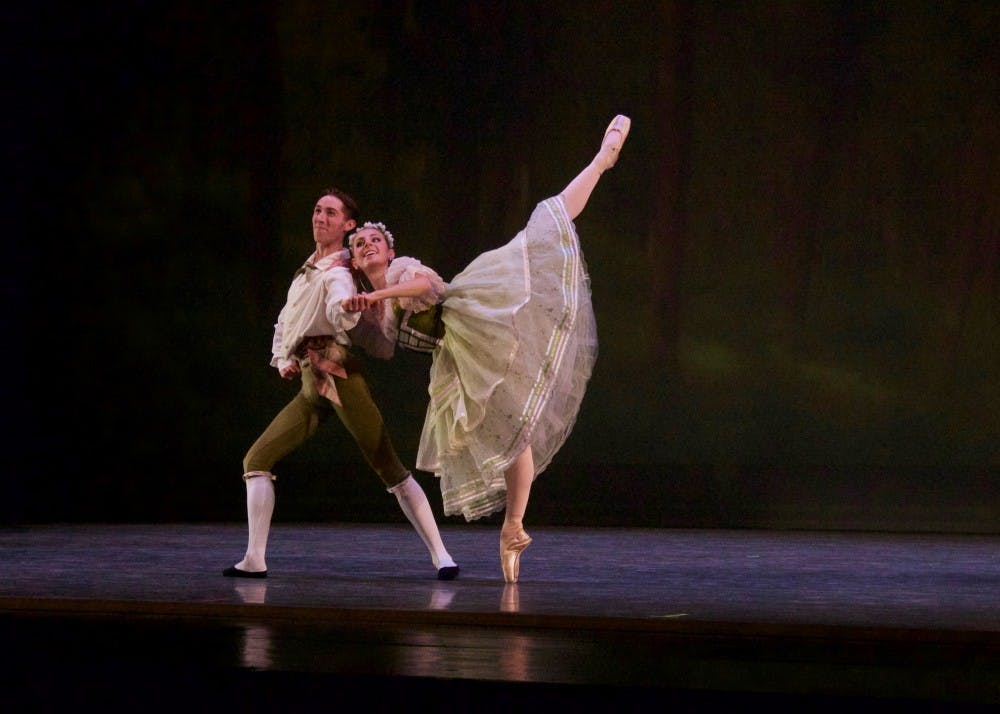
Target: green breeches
301,417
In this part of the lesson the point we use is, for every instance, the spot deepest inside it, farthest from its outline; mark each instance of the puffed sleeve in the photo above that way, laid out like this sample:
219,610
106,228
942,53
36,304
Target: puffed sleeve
405,268
339,287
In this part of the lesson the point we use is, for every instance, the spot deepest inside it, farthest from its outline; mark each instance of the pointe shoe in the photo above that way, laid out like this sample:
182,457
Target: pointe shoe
610,146
510,554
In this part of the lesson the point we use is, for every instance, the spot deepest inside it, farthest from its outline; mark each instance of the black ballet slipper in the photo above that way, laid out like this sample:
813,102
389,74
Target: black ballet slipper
448,573
235,572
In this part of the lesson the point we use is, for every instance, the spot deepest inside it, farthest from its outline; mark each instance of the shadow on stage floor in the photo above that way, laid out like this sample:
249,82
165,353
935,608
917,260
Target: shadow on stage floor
138,617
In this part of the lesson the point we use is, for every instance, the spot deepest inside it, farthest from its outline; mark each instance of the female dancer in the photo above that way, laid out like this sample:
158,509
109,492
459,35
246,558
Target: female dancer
512,360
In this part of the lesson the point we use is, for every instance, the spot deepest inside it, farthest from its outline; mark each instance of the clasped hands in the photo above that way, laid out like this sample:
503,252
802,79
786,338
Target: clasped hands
359,302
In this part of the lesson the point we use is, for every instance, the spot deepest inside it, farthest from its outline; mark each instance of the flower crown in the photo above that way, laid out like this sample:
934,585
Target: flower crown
380,227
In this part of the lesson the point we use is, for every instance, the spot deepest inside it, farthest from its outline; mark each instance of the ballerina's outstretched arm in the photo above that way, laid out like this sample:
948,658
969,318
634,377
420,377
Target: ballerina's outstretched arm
416,287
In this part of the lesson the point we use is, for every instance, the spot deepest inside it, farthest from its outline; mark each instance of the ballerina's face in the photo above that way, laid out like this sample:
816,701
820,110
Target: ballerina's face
370,249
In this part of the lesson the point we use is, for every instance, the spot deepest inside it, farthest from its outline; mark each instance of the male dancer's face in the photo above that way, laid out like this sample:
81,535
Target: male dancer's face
330,224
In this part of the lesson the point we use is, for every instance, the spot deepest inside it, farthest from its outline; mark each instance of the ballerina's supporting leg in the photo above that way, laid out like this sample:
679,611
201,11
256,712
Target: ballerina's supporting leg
577,193
513,539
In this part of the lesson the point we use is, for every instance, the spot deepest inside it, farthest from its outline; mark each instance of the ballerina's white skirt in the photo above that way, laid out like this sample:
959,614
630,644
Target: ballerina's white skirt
519,347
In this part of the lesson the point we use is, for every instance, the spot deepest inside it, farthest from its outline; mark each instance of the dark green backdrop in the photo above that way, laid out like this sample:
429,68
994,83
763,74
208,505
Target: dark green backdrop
794,264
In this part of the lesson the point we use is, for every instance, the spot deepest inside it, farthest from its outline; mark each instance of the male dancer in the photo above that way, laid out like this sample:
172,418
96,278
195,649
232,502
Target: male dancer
312,330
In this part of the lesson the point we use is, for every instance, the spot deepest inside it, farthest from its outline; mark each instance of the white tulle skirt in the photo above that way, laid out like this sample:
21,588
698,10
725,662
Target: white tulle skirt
519,347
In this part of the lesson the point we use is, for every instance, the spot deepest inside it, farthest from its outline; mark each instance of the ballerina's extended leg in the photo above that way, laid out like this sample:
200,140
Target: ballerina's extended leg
577,193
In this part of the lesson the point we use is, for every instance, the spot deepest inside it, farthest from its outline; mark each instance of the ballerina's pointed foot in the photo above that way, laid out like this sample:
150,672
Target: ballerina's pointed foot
614,139
511,547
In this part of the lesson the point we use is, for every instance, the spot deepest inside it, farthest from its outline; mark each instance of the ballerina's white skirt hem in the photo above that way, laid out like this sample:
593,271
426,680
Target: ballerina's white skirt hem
519,347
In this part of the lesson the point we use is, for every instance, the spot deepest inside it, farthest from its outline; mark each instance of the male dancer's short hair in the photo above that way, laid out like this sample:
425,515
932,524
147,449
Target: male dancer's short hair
351,209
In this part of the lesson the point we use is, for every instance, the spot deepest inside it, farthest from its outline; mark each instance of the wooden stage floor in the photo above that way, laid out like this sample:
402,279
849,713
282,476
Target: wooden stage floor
139,617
